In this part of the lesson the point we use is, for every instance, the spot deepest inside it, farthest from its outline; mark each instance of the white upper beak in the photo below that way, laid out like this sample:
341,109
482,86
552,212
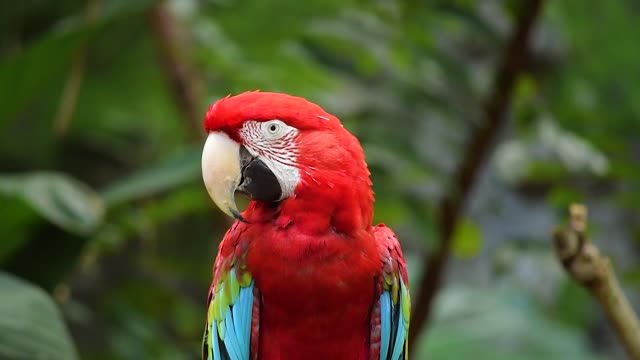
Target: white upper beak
221,171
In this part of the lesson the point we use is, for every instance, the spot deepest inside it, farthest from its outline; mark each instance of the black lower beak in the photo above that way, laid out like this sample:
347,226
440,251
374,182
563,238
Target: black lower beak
258,181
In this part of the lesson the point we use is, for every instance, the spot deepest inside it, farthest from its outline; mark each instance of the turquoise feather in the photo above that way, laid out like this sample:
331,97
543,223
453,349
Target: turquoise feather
215,344
385,334
230,339
398,344
394,322
245,309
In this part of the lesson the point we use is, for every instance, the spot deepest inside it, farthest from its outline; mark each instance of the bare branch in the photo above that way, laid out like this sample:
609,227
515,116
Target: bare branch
71,89
184,84
480,145
584,263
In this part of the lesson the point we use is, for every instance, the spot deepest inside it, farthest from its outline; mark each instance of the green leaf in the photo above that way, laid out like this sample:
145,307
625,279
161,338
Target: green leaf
467,239
64,201
176,170
24,75
30,323
18,220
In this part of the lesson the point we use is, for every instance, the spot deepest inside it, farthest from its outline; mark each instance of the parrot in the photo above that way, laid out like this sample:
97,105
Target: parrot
301,273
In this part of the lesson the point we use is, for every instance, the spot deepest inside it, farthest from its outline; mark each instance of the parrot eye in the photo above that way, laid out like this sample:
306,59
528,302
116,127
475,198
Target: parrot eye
274,129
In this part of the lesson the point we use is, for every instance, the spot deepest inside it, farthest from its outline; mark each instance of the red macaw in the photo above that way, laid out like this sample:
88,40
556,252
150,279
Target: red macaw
302,273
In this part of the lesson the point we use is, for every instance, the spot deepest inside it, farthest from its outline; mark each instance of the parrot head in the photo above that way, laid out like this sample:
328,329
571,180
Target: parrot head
284,152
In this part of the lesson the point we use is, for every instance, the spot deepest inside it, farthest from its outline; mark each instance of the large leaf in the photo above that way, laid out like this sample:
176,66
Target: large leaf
24,74
64,201
30,324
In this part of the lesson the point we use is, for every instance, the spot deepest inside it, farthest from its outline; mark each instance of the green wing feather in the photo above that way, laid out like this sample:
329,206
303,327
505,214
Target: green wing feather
228,331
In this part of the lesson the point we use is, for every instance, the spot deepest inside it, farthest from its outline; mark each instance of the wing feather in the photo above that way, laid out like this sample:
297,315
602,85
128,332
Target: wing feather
216,345
231,329
394,301
385,308
228,332
230,338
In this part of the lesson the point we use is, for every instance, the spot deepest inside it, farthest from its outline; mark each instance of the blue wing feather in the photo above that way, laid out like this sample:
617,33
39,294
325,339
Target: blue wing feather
242,310
393,333
385,335
398,344
230,339
245,303
215,343
238,340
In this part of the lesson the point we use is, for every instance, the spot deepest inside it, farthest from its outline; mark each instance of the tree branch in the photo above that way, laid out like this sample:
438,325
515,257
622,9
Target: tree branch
480,145
71,89
584,263
184,84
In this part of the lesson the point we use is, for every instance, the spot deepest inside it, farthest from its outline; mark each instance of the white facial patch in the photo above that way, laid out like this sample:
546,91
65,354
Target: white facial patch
273,142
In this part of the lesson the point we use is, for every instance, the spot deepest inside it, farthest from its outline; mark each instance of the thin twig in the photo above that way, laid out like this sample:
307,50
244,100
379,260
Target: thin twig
480,145
172,56
71,89
583,261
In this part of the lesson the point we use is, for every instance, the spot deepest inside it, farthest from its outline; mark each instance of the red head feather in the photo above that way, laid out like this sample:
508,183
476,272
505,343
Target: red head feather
335,185
228,113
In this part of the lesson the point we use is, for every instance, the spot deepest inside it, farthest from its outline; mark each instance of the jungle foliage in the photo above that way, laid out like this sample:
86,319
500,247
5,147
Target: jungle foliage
108,235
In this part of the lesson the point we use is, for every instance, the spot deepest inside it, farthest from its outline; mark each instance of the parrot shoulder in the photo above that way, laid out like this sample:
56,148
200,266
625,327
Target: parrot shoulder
390,322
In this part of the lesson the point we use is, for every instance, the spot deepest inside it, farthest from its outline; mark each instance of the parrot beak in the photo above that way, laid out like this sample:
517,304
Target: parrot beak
228,167
221,172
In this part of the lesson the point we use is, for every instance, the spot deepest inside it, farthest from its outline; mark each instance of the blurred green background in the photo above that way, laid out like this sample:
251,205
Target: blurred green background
108,236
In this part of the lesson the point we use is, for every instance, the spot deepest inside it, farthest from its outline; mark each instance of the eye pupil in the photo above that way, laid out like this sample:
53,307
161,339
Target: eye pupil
273,127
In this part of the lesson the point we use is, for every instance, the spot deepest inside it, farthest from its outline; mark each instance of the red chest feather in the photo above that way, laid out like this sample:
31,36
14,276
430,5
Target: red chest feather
316,293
